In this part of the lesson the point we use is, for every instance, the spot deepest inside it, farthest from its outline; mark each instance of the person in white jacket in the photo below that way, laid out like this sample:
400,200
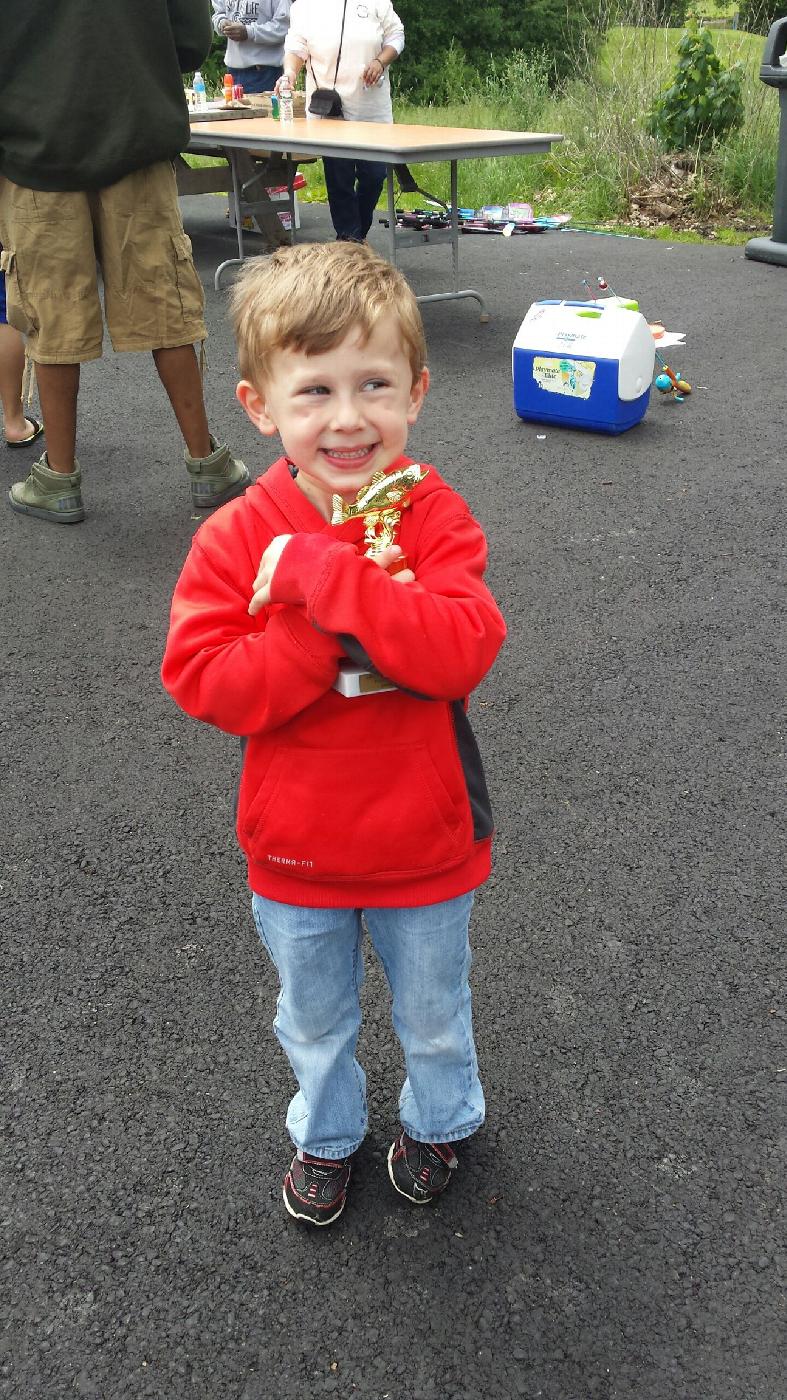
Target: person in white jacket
363,37
255,31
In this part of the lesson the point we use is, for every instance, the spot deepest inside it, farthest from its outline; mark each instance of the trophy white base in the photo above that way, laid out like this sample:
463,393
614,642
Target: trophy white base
354,680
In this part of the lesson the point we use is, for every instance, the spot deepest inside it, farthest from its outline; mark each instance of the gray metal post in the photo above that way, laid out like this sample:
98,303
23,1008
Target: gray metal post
774,249
780,198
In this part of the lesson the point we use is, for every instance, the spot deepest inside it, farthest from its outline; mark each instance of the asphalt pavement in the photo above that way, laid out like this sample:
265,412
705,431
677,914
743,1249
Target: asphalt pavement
615,1229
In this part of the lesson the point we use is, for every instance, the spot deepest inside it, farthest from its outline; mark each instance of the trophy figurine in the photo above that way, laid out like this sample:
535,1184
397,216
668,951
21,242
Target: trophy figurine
381,504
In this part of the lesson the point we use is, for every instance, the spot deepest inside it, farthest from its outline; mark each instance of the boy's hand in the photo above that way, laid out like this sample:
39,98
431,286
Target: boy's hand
261,595
386,557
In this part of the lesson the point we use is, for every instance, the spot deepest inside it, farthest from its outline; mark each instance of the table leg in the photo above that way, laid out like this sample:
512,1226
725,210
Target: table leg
233,262
391,213
456,294
455,225
247,182
291,170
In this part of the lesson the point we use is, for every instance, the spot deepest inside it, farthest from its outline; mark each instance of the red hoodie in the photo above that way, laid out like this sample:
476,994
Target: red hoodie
376,800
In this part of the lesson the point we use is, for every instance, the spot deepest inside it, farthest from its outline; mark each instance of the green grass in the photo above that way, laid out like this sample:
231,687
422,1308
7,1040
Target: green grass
651,52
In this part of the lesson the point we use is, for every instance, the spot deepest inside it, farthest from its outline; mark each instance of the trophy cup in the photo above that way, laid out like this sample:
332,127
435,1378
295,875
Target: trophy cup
380,505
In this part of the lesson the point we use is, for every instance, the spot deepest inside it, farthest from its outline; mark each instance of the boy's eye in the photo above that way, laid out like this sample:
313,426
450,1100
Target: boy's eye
314,389
375,384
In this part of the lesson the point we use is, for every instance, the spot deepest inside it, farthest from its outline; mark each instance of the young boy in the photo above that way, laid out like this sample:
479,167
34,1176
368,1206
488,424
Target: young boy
350,805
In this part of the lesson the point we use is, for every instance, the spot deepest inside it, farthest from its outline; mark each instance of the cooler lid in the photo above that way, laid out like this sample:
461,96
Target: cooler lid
593,330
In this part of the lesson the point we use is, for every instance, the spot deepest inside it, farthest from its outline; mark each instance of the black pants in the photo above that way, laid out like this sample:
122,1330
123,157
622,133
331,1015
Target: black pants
354,187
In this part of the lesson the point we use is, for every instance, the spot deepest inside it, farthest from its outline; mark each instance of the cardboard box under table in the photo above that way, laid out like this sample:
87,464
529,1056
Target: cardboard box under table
583,365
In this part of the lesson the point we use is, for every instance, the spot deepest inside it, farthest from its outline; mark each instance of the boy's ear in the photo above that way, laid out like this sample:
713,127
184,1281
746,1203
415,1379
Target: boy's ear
418,393
252,401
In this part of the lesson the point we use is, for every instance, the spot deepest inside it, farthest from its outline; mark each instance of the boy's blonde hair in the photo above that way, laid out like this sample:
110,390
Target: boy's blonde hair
308,297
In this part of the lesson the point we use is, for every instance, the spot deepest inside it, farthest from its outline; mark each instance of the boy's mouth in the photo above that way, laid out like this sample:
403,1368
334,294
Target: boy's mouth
349,456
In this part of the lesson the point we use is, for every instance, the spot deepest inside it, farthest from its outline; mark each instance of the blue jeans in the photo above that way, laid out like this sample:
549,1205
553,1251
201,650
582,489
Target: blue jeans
425,953
354,187
260,78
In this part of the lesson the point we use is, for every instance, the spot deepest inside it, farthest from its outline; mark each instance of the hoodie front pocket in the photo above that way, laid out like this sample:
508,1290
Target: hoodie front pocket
355,814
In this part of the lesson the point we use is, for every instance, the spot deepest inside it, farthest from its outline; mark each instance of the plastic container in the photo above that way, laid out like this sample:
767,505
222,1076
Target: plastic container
583,364
228,87
274,107
286,105
200,95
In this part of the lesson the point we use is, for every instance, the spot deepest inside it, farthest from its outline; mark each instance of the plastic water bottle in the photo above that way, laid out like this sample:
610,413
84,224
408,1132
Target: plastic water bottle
286,105
200,95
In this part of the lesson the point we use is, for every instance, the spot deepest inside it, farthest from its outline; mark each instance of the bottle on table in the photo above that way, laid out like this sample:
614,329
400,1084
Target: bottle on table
200,95
228,87
286,104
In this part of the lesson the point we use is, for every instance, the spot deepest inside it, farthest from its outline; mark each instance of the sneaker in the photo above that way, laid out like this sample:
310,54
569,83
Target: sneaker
315,1190
420,1170
53,496
216,479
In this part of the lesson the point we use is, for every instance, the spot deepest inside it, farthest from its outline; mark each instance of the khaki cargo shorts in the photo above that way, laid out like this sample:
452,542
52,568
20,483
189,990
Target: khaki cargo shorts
52,240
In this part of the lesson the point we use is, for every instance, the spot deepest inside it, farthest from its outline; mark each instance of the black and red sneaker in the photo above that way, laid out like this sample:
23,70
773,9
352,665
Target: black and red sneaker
315,1190
420,1170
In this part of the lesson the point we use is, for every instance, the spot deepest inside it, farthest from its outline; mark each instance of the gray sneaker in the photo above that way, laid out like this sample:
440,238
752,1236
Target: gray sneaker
217,478
53,496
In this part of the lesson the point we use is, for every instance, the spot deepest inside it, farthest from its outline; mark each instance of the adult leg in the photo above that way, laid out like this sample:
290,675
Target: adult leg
317,954
178,370
53,489
58,388
342,197
12,367
154,301
425,952
370,175
53,293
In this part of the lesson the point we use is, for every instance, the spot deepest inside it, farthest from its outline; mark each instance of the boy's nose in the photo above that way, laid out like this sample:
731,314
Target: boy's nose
346,414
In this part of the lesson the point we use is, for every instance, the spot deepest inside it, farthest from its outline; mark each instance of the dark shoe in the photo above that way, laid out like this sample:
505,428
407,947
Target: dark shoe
217,478
48,495
421,1170
315,1190
37,430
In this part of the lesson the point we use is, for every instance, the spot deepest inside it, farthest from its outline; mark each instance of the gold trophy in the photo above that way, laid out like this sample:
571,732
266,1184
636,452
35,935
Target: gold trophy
380,504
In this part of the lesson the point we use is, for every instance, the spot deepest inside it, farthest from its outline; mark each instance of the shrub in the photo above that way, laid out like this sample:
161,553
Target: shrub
757,16
703,103
487,32
669,12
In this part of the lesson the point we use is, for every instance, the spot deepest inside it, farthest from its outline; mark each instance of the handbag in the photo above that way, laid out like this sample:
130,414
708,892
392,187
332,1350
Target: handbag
326,102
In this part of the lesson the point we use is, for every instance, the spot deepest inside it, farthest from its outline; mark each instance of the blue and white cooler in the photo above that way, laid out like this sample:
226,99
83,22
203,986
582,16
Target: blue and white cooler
583,364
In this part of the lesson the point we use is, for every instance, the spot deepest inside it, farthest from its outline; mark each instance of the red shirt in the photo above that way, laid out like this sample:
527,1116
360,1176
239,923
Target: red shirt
378,800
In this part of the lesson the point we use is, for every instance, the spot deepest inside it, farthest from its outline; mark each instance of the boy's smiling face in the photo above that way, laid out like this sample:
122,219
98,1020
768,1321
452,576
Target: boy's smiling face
342,415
